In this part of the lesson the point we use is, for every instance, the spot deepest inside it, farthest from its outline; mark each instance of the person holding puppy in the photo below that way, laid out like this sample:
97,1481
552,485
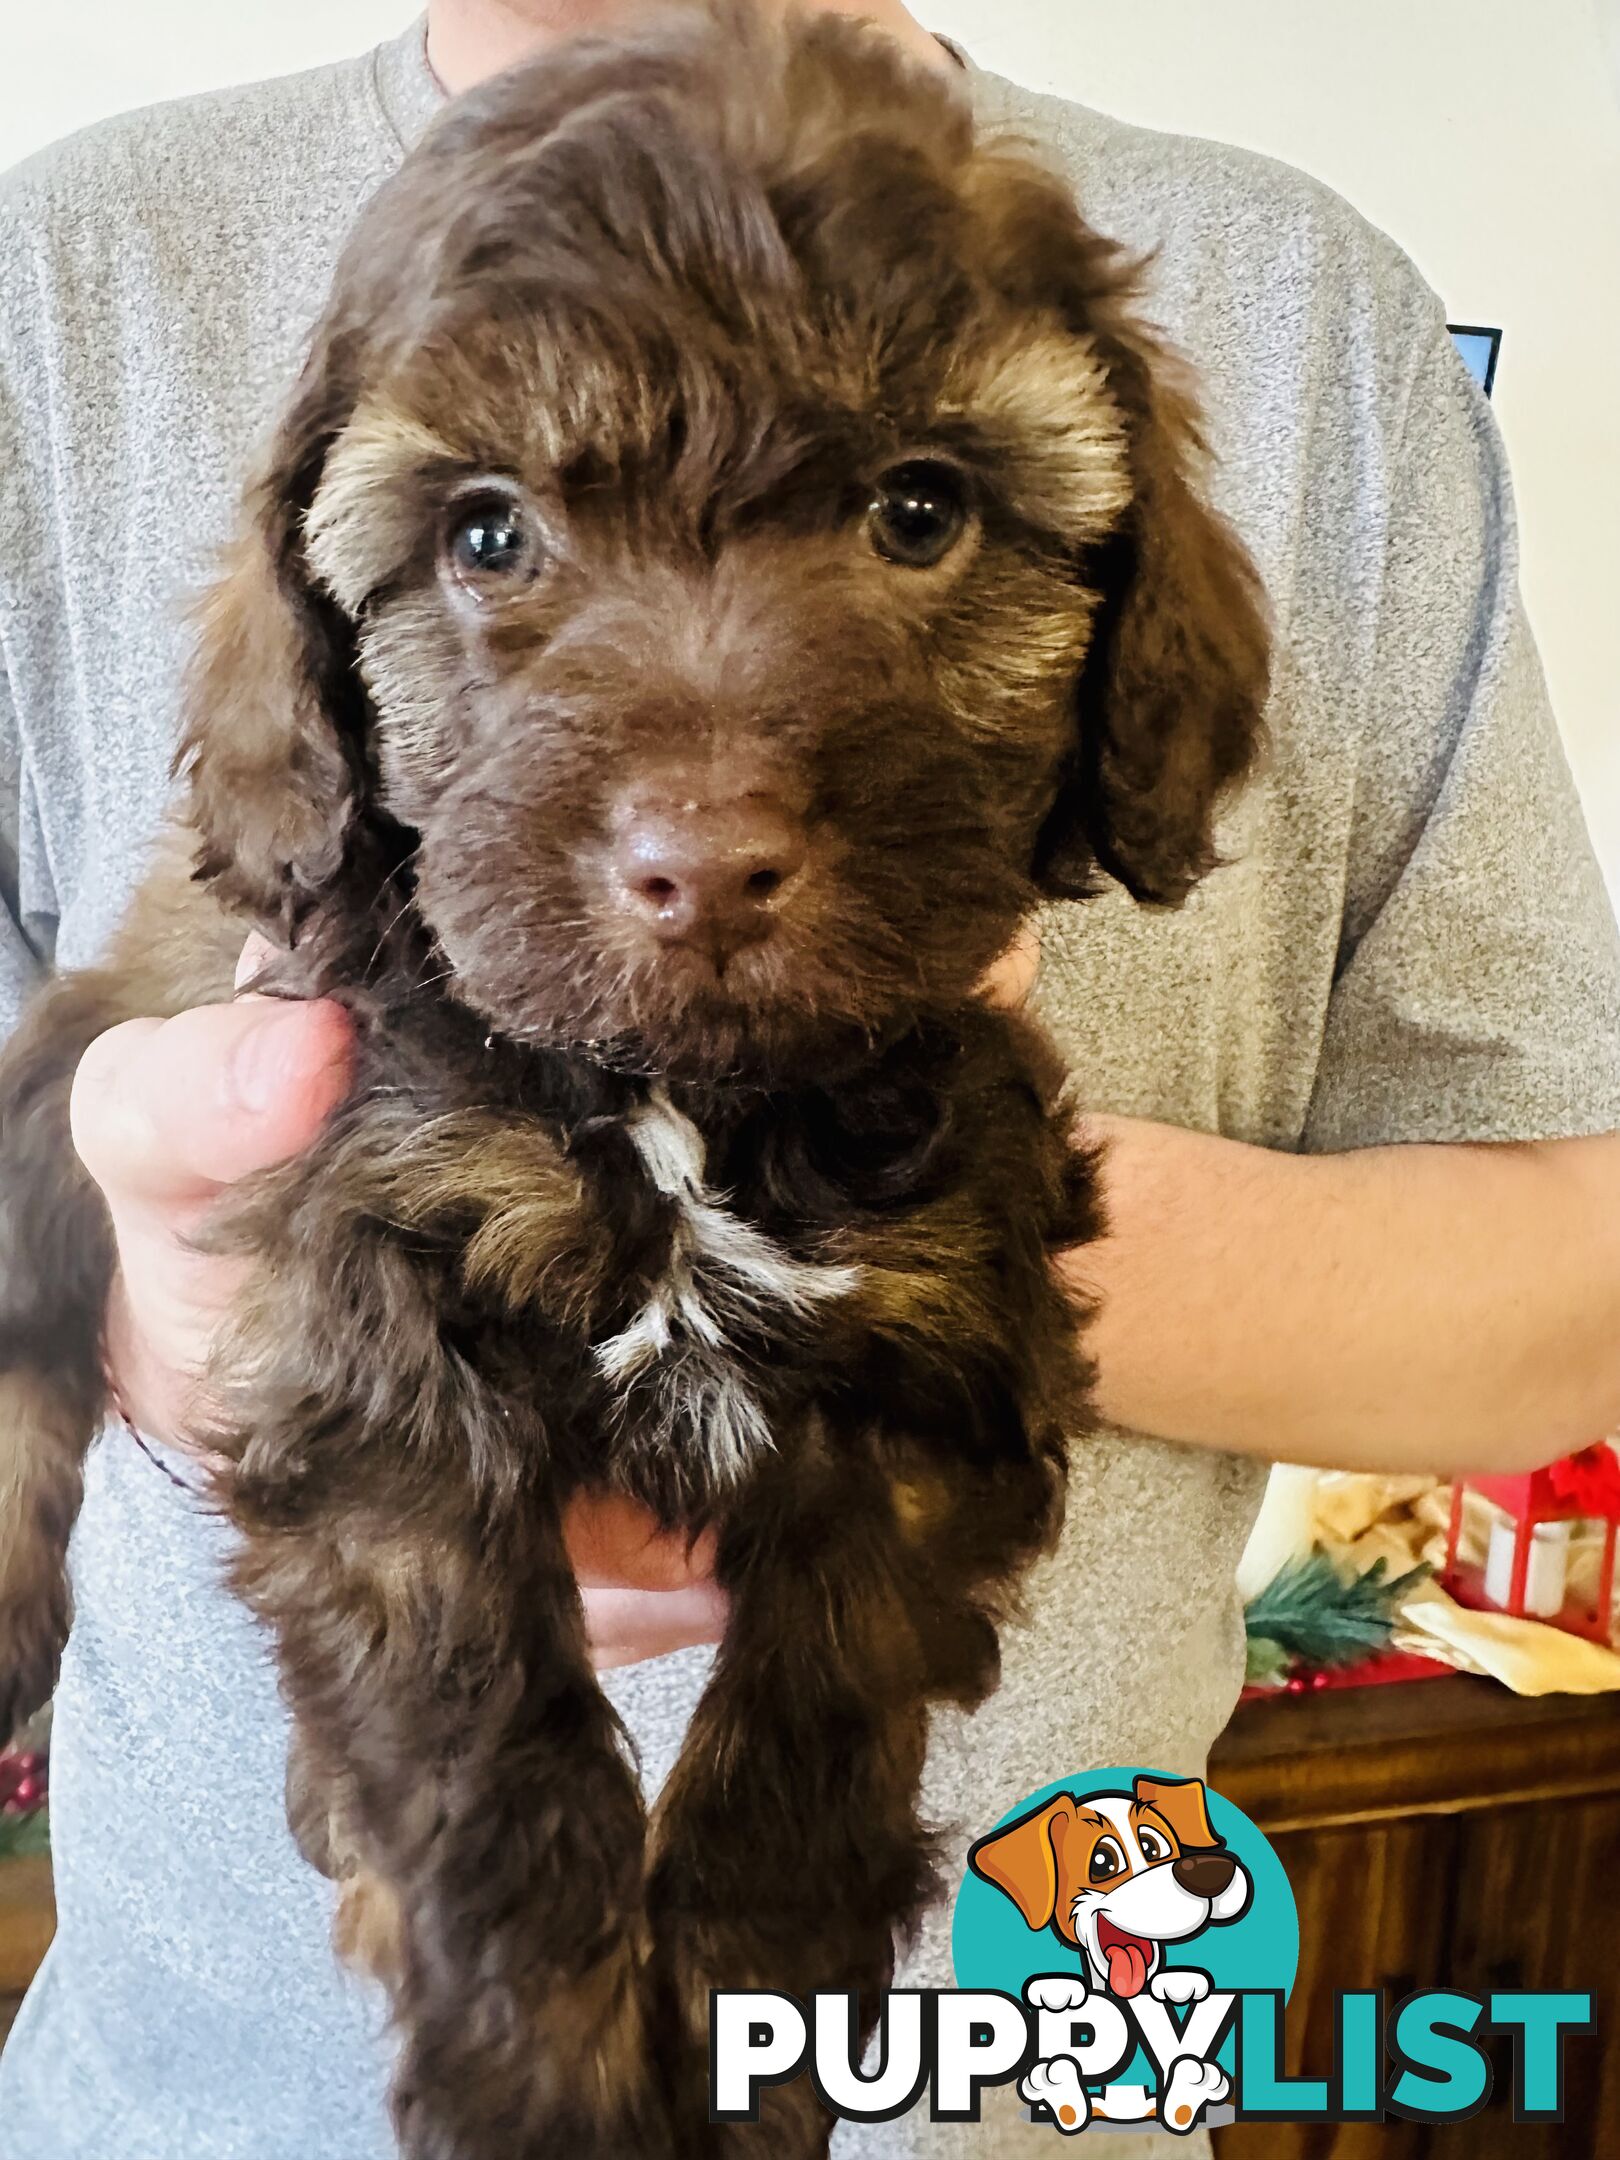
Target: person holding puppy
1360,1097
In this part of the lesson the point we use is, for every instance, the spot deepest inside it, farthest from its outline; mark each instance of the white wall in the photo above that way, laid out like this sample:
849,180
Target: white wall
1484,134
67,62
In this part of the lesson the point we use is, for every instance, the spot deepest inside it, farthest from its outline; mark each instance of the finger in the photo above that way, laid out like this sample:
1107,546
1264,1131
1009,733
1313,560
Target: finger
629,1627
255,953
1009,983
166,1112
615,1544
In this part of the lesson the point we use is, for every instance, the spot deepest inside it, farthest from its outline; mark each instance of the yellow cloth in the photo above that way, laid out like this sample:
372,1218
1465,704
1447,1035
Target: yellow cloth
1525,1655
1360,1519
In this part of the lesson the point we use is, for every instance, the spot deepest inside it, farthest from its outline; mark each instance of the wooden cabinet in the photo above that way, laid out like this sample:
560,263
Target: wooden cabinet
27,1921
1443,1833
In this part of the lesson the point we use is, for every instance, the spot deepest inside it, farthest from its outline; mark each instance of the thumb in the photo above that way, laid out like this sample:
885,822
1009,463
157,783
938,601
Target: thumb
166,1111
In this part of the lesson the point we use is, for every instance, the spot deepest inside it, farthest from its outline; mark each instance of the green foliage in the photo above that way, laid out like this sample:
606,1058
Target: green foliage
1269,1664
1315,1615
21,1835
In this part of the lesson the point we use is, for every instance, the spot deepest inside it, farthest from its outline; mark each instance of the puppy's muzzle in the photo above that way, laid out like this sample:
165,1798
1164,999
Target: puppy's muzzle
713,875
1205,1875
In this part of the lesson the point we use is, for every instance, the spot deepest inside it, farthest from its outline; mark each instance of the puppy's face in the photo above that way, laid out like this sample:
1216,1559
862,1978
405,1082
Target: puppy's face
1129,1887
721,530
726,676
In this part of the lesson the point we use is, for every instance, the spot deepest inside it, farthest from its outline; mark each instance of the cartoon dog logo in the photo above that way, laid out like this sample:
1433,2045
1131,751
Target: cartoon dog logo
1116,1876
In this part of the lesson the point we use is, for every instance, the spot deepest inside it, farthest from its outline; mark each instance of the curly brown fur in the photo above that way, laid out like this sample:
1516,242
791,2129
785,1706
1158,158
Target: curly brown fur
754,1229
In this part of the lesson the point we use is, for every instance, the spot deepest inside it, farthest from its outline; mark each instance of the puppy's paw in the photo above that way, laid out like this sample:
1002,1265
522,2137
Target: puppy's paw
1191,2087
692,1956
1179,1984
1056,2085
1056,1991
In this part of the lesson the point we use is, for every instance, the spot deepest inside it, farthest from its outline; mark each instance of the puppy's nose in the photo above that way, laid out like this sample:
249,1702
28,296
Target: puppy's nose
711,874
1205,1874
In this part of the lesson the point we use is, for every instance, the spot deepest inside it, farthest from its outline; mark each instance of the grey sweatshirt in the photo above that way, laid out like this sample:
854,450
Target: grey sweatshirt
1412,943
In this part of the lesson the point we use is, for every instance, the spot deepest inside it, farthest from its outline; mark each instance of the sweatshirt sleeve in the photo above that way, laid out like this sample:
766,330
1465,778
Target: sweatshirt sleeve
1477,991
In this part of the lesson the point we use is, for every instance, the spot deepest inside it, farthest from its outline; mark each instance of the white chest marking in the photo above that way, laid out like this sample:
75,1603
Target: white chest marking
723,1274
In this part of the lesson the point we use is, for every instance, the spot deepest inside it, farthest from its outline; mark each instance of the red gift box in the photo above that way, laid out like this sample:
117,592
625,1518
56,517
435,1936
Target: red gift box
1582,1488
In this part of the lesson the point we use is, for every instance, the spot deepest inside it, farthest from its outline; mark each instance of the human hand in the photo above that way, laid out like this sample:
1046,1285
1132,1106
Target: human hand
645,1591
166,1115
1009,983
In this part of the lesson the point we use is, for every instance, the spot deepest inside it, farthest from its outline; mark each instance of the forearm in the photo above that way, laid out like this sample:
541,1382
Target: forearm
1441,1308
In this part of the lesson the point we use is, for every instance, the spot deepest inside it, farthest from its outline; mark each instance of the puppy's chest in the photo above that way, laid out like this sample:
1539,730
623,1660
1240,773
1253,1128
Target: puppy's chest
715,1316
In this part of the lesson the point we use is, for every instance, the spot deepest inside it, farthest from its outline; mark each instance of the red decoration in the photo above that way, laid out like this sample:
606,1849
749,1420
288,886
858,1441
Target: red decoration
22,1783
1387,1666
1589,1482
1585,1487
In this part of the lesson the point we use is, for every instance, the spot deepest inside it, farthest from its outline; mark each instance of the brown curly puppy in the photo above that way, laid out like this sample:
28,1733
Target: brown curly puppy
731,548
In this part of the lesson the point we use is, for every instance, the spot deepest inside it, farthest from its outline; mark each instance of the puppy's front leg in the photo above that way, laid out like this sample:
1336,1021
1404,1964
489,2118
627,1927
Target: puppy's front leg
176,949
457,1767
788,1851
56,1262
462,1776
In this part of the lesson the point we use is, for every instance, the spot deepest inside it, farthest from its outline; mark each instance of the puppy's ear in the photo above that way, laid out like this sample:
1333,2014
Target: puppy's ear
1170,704
1183,1804
1171,700
272,744
1024,1861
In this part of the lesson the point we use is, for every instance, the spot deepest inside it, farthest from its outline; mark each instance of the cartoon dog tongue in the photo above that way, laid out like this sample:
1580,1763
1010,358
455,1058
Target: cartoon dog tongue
1127,1958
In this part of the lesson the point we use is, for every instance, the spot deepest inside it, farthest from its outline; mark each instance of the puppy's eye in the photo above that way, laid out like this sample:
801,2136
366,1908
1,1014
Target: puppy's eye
1153,1846
489,543
918,514
1107,1860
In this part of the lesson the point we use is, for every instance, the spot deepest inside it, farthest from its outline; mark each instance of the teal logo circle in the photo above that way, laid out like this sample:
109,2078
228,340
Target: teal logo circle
995,1946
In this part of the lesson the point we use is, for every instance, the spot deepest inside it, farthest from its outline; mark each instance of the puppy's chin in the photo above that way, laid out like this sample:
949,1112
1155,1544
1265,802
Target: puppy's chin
744,1056
713,1042
777,1014
687,1021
